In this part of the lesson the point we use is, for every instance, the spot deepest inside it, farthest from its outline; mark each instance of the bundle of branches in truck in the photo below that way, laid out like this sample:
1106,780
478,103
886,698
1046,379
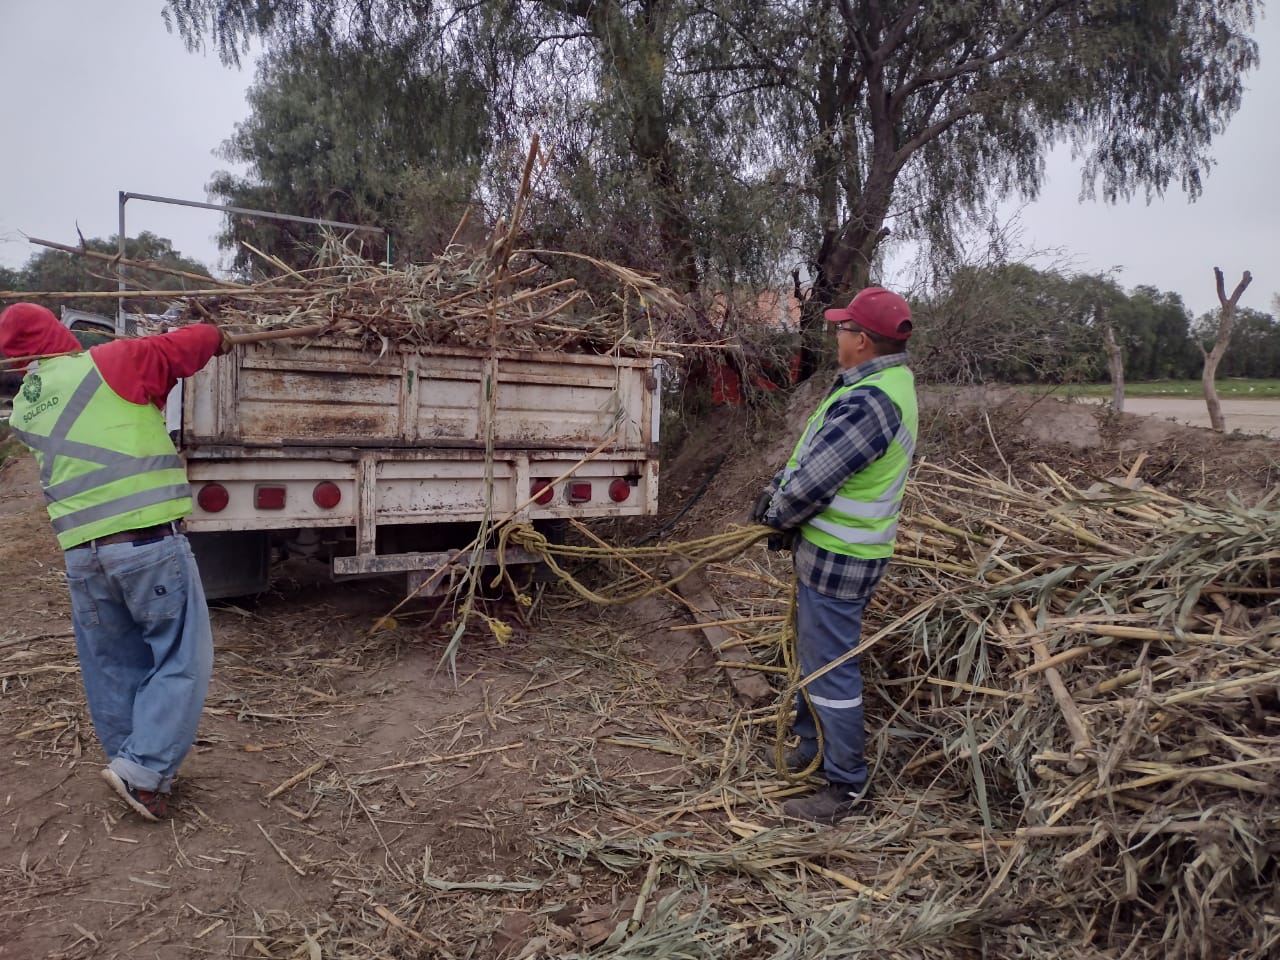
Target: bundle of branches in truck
472,297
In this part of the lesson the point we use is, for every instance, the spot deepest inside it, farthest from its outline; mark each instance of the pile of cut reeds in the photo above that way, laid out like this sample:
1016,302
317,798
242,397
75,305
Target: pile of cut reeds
475,297
514,299
1074,707
1073,700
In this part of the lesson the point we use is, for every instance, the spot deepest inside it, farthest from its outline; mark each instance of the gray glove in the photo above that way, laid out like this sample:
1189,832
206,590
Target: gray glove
761,506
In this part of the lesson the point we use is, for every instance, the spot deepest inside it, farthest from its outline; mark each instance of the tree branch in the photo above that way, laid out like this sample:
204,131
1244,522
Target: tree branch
898,32
855,30
1243,285
975,64
788,75
931,132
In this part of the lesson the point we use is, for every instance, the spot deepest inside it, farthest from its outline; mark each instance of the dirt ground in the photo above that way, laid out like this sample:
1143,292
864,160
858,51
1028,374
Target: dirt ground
413,776
346,791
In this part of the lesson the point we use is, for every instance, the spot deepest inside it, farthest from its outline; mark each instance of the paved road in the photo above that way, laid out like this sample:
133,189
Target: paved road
1247,416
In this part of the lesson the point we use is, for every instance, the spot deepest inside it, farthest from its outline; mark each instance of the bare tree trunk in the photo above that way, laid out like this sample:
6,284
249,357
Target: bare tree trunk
1226,320
1115,358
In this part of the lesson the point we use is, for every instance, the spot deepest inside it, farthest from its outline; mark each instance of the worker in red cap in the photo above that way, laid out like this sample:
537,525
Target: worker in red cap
836,501
116,491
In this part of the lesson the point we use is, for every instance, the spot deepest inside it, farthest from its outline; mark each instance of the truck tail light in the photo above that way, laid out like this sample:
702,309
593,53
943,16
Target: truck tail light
268,497
542,492
213,498
579,492
619,490
326,495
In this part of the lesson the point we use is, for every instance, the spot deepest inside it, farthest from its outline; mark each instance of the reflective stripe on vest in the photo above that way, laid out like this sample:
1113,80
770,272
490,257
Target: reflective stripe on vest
887,504
143,485
862,518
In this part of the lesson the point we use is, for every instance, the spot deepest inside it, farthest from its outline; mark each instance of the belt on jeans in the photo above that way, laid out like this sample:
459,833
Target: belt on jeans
137,537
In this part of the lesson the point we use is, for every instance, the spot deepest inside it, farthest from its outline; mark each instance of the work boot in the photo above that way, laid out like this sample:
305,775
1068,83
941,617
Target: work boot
829,804
146,803
797,761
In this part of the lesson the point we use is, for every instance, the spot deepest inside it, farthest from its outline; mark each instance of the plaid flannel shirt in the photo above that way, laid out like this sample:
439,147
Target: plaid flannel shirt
856,431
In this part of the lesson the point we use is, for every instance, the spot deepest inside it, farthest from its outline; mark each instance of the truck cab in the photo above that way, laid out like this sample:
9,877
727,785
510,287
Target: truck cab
90,329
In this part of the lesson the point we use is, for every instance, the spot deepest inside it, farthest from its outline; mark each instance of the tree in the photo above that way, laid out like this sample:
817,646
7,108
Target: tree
1255,343
58,271
1226,320
386,137
10,279
1154,329
1103,295
1008,323
854,115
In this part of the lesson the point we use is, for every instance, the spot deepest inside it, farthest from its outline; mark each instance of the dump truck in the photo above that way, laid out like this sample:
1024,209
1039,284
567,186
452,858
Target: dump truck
386,461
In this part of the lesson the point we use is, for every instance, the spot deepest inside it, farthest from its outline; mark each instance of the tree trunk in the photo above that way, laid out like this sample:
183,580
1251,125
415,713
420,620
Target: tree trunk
842,269
1115,358
1226,320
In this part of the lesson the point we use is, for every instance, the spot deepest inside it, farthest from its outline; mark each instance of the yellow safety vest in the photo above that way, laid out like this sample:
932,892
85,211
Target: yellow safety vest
862,519
106,464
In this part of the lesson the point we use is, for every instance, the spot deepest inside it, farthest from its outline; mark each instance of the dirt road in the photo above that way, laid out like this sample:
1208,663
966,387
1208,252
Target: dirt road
1247,416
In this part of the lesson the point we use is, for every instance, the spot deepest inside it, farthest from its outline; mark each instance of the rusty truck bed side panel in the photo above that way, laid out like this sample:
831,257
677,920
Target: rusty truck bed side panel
333,393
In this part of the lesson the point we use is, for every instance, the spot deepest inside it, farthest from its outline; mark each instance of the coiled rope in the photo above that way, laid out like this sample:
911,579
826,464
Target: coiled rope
696,554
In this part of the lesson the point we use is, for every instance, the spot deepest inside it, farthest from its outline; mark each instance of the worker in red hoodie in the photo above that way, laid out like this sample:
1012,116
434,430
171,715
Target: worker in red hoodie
116,492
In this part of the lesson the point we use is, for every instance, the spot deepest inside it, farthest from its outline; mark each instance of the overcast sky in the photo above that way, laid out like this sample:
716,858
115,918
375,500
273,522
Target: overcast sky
101,98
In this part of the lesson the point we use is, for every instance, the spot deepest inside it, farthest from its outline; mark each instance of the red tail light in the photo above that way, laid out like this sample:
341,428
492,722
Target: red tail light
619,490
542,492
579,492
327,495
213,498
268,498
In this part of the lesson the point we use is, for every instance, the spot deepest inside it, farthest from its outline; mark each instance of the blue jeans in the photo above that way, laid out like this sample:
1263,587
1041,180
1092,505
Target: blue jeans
826,628
146,652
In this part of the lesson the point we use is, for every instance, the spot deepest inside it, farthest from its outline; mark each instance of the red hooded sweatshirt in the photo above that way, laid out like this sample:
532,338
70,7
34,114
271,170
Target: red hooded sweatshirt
140,370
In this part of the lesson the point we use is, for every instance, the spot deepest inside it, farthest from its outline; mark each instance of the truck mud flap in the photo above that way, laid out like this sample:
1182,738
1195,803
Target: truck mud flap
234,564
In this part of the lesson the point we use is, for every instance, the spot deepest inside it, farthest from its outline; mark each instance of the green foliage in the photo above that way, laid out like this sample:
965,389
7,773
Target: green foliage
1230,388
721,142
385,137
936,109
1255,343
1153,329
1011,323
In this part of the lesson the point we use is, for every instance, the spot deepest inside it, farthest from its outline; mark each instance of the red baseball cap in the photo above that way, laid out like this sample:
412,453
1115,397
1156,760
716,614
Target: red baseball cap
877,310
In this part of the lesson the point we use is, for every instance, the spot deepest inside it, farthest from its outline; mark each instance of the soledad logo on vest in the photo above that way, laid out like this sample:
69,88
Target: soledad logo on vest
31,387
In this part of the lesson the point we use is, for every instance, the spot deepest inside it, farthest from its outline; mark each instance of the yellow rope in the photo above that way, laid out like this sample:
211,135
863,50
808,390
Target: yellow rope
697,553
791,660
